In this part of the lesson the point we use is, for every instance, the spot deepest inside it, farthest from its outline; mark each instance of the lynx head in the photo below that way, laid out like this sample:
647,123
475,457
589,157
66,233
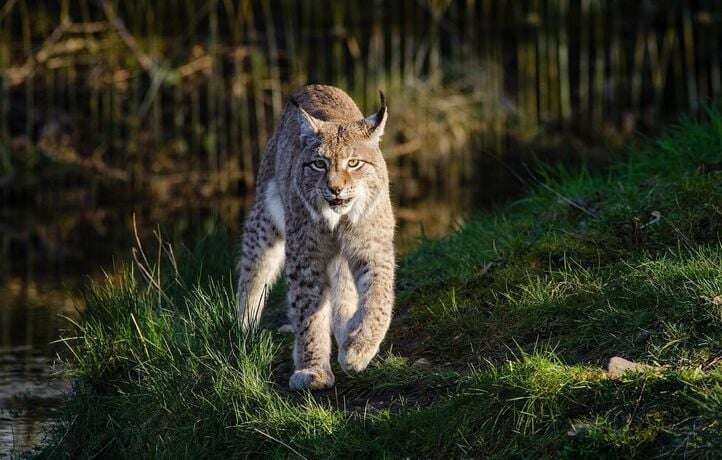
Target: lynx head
343,170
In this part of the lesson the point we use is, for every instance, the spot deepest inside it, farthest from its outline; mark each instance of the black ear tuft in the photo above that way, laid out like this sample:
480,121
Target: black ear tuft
382,110
376,122
294,102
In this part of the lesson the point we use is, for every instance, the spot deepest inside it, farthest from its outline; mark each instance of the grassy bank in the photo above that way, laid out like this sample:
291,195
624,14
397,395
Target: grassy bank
515,316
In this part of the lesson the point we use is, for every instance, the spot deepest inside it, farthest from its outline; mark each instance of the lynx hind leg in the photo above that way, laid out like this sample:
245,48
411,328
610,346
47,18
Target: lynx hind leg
261,262
344,299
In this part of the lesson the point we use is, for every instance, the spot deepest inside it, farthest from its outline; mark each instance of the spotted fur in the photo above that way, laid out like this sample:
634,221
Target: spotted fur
323,211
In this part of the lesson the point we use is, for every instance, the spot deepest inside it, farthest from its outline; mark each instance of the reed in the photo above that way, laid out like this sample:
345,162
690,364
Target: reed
159,86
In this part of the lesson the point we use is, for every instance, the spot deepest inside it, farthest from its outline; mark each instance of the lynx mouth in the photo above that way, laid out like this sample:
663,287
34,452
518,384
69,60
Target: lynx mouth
338,202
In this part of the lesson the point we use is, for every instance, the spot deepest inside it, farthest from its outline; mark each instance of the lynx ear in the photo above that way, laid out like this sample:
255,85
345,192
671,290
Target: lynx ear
310,126
376,123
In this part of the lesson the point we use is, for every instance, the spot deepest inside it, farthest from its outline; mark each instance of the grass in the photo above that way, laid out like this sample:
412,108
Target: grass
515,315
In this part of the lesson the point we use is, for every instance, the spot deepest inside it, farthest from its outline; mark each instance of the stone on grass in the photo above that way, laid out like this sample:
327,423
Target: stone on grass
618,366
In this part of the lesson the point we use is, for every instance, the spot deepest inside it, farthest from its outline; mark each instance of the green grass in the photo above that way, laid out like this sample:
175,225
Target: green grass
518,313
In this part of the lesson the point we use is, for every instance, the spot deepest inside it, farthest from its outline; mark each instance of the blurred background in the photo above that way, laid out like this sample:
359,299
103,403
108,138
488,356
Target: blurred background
161,110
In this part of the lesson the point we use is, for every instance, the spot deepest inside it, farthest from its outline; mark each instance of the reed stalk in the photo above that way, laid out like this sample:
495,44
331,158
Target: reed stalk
206,81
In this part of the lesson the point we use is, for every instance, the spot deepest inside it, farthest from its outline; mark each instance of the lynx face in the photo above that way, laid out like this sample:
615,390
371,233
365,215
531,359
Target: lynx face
341,176
343,169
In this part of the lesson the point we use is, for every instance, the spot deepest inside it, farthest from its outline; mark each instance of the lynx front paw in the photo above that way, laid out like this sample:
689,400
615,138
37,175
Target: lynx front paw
311,379
356,355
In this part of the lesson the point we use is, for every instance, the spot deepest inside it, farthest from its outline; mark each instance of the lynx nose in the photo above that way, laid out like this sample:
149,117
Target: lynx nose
335,188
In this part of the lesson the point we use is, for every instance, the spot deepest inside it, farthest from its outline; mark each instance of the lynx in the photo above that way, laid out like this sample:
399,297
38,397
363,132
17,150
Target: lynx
322,209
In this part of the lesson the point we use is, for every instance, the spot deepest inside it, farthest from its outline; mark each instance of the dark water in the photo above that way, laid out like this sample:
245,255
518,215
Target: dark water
30,391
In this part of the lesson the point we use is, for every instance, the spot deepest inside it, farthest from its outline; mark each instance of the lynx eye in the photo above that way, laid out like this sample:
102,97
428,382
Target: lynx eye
318,165
353,163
